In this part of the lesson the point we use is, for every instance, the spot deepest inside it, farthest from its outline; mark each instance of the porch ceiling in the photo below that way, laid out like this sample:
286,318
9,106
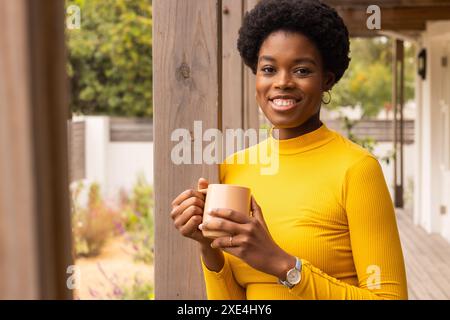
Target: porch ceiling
403,16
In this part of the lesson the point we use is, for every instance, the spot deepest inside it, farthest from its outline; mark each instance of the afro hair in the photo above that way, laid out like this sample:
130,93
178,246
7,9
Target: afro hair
312,18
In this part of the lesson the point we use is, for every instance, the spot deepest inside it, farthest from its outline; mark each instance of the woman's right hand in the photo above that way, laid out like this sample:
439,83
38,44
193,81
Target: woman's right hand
187,212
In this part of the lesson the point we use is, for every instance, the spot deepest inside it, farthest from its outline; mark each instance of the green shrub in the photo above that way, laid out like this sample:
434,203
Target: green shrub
110,58
93,225
137,212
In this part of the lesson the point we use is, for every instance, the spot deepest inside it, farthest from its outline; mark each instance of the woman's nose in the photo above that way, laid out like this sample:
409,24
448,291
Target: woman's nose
283,80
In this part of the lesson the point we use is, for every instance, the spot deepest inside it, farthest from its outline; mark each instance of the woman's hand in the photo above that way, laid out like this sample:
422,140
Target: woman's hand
250,240
187,212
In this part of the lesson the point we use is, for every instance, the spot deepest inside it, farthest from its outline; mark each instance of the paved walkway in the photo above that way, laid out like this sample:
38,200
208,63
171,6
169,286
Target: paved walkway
427,259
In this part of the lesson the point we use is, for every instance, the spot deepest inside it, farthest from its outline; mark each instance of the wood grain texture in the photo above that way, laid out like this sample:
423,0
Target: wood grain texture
130,130
427,261
403,16
232,74
35,233
387,3
19,277
186,87
77,149
379,130
398,19
240,109
251,109
50,109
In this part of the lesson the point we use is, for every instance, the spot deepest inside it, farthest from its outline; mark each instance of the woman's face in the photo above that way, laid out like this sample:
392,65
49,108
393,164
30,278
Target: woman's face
290,79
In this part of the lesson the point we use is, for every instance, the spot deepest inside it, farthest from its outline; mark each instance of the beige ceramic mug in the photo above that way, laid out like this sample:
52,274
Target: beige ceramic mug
228,196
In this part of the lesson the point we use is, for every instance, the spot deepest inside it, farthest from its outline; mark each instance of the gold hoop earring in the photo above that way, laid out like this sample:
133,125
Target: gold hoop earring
329,98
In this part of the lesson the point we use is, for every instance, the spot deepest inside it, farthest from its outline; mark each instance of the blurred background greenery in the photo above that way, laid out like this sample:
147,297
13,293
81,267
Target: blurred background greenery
98,224
110,64
110,58
368,80
110,71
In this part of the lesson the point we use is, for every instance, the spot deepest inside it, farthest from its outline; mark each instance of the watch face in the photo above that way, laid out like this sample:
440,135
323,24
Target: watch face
293,276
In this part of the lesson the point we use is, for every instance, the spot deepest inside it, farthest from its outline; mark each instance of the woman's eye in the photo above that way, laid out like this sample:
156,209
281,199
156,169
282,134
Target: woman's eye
303,71
267,69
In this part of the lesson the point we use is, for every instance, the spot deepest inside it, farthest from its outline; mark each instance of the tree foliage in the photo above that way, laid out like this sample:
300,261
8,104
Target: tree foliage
110,58
368,81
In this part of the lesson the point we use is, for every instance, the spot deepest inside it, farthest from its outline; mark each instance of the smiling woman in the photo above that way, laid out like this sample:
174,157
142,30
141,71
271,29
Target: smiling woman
289,82
297,50
323,225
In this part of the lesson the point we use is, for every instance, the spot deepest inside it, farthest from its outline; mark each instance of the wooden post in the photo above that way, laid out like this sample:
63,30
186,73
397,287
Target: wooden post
198,75
401,57
186,88
233,68
251,108
397,101
35,233
18,254
240,109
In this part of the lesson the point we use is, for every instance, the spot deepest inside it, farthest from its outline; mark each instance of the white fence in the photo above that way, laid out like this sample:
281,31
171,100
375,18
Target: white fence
115,154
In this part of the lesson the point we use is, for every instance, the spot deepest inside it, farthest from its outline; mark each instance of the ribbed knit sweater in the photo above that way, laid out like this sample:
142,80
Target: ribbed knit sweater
327,204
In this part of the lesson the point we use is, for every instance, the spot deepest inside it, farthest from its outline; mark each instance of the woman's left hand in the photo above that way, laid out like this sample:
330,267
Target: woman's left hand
250,240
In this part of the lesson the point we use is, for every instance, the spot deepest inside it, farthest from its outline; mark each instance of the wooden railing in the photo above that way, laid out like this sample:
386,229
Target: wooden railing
130,130
379,130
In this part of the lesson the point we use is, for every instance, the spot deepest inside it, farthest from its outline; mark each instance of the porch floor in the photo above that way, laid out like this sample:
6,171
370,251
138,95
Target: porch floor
427,259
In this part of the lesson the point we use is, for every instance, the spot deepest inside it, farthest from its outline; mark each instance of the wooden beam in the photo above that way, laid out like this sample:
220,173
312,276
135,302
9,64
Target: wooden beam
49,94
393,19
35,234
386,3
240,108
19,272
405,15
232,67
251,112
186,87
397,102
77,154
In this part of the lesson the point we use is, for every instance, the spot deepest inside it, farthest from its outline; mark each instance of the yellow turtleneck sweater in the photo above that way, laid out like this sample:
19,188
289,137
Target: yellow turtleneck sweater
327,204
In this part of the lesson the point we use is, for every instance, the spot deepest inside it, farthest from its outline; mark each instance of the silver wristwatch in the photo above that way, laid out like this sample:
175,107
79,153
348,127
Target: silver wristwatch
293,276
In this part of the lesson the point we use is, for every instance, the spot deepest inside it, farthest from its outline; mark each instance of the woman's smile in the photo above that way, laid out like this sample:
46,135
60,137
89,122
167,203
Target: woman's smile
284,105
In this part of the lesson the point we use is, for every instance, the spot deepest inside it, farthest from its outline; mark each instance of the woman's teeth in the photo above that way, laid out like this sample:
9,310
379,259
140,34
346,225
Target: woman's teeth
284,102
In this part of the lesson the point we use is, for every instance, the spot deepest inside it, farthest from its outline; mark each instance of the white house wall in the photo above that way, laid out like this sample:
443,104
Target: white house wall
128,160
114,165
434,188
97,139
